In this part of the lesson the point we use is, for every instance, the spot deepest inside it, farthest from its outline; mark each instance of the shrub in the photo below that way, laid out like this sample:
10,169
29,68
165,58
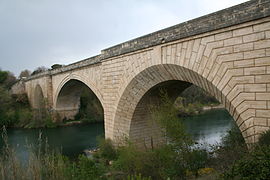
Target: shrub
231,149
256,165
106,149
137,177
84,168
264,139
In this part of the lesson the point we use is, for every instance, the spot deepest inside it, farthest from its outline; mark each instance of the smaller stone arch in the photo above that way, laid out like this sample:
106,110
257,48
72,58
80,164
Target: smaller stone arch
67,100
91,85
39,100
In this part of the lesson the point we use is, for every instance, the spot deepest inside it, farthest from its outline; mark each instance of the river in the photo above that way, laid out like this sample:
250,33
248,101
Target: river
208,127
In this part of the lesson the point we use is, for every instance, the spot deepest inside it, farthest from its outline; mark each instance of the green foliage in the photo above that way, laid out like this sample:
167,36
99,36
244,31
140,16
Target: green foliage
233,138
46,164
14,109
56,66
49,122
194,94
90,108
172,160
196,159
232,149
106,149
256,165
137,177
3,76
84,168
7,79
264,139
166,116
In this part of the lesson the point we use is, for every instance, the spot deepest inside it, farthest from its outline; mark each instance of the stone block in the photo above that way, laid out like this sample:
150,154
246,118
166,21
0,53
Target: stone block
260,129
248,114
243,63
262,27
254,54
263,113
224,35
241,80
255,87
207,39
267,34
262,78
255,70
230,57
267,51
263,96
253,37
243,47
233,41
242,97
225,79
243,31
264,61
262,44
257,104
235,91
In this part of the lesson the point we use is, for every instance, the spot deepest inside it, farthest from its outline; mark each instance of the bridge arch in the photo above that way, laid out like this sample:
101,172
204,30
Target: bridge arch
68,93
38,100
131,111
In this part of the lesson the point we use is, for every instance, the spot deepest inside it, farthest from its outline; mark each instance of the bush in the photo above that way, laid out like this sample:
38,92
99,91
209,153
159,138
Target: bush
231,149
84,168
106,149
90,108
256,165
264,139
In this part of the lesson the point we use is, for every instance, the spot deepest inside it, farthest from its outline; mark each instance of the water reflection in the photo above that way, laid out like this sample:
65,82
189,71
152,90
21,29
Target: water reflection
206,128
71,141
210,126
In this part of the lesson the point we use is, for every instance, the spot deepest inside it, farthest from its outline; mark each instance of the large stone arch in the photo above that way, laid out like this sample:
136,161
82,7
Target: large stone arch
67,97
128,119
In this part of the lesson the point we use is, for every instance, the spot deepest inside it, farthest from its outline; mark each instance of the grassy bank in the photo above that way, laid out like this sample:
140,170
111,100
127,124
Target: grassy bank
177,159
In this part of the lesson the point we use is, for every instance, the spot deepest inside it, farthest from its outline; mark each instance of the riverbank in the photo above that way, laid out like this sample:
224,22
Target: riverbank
211,107
193,109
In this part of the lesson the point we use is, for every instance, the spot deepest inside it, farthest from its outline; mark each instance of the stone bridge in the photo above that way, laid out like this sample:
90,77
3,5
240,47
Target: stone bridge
227,53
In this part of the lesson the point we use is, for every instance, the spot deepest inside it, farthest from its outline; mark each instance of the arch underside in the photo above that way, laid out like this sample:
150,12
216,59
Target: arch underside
39,101
68,98
132,111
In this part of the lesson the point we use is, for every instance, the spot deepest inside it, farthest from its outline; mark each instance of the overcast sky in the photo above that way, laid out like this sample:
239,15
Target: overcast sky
37,33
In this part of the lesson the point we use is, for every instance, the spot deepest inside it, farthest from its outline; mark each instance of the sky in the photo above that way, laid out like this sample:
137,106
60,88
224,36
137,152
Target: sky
36,33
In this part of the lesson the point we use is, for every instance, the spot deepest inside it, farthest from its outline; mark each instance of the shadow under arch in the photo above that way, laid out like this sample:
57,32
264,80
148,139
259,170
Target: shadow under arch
39,101
91,85
68,99
141,91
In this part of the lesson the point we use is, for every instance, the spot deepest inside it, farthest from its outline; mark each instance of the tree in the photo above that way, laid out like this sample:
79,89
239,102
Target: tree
55,66
25,73
3,76
39,70
7,78
10,80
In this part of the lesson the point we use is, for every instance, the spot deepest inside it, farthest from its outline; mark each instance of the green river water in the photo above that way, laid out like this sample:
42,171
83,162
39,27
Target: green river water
205,128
